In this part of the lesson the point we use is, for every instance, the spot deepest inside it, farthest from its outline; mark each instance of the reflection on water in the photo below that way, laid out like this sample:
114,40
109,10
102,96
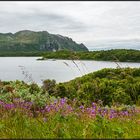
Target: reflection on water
29,69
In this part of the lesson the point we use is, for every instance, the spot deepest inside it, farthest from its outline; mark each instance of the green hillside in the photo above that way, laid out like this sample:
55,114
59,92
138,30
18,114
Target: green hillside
30,41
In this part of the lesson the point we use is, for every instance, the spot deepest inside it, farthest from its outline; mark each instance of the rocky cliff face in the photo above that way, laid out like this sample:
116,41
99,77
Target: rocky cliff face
37,41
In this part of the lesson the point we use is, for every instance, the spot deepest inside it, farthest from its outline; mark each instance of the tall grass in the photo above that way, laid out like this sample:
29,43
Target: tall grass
19,123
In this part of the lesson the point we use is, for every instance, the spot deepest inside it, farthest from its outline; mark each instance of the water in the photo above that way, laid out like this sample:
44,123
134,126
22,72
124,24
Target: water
29,69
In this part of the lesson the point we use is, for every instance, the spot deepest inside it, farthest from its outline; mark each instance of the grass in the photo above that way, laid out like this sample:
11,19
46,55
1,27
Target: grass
62,119
56,126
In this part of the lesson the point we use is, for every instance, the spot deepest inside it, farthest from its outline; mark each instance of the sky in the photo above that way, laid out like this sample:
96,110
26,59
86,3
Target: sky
83,21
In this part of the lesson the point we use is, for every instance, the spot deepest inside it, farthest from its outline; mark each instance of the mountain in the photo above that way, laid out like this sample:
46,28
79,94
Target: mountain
27,40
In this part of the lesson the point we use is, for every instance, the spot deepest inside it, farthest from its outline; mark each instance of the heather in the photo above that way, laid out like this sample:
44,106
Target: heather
61,119
103,104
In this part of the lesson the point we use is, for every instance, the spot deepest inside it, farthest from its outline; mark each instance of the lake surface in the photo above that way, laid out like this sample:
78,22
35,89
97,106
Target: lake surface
29,69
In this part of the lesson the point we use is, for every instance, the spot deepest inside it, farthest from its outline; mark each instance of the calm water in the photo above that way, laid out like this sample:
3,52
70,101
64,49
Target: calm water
29,69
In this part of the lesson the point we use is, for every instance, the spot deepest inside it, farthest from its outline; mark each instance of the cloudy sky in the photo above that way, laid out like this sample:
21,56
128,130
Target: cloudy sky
84,22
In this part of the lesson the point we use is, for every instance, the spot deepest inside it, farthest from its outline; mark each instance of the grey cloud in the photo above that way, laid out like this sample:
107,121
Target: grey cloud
82,21
50,20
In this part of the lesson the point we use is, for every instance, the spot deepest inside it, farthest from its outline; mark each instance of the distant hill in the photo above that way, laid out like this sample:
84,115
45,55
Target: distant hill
115,44
29,41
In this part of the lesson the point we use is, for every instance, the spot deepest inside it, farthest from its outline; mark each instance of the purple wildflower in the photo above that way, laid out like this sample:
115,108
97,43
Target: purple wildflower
69,107
112,111
9,106
99,110
56,109
55,102
48,109
1,103
94,105
74,99
93,111
81,107
45,119
88,109
62,101
42,111
126,113
111,116
52,106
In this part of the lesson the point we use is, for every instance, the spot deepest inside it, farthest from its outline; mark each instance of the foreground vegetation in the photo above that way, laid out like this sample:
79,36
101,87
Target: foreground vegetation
62,120
103,104
111,86
122,55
